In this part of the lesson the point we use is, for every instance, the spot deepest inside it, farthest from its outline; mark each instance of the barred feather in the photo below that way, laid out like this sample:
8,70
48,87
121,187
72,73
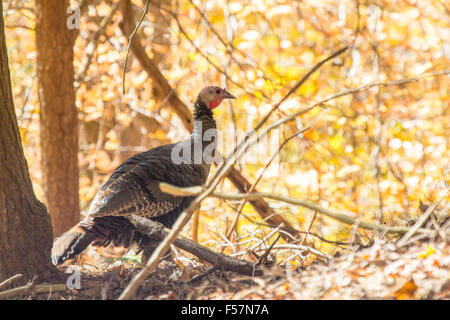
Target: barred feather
133,188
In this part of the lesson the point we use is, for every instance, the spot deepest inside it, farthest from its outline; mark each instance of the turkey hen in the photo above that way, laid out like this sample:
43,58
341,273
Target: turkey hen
133,188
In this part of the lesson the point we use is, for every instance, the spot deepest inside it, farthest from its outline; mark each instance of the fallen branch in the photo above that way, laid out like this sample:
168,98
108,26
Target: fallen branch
158,232
162,248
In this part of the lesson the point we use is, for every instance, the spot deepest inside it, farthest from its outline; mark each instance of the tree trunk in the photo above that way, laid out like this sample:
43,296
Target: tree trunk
58,114
25,228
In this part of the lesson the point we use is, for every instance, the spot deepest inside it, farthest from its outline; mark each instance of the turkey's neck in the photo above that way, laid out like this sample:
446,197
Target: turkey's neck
203,120
204,138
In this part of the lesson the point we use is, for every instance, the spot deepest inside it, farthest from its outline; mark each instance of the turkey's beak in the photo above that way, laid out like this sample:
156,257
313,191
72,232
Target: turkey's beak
228,95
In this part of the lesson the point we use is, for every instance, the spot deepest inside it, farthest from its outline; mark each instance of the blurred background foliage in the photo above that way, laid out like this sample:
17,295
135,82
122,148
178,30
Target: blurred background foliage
375,154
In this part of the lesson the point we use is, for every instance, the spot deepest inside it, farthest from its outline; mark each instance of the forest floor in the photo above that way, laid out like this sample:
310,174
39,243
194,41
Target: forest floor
419,270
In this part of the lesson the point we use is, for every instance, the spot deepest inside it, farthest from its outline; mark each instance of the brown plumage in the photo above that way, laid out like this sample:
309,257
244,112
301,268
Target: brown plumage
133,188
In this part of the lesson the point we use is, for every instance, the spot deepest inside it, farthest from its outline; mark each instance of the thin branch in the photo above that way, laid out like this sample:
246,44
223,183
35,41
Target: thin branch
300,83
9,280
263,259
195,223
290,232
19,26
149,65
226,165
39,288
130,40
421,220
229,45
200,276
92,46
208,59
302,247
258,179
244,144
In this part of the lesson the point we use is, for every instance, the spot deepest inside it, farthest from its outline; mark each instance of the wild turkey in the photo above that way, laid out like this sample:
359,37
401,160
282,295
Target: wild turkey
133,188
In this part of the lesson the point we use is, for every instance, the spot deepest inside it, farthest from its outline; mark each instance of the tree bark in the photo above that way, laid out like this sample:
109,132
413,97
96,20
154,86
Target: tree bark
58,114
25,228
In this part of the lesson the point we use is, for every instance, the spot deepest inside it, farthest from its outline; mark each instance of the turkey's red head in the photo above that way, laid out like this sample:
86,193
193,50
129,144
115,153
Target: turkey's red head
212,96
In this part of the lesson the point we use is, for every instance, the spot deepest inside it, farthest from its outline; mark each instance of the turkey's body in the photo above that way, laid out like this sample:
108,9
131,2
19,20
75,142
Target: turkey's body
133,188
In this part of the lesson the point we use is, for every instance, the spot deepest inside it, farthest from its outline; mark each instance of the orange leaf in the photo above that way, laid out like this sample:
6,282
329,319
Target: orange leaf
407,291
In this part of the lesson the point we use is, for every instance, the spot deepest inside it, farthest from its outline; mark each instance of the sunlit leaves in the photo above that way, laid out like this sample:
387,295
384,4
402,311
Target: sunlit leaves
269,46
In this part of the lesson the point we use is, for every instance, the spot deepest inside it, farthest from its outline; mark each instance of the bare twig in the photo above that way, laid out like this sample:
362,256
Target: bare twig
289,232
208,59
130,40
195,222
229,44
263,259
200,276
227,164
93,43
258,179
303,248
149,65
421,220
39,288
9,280
310,226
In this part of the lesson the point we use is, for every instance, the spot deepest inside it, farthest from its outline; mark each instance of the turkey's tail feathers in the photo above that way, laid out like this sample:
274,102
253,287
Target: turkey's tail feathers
71,243
100,232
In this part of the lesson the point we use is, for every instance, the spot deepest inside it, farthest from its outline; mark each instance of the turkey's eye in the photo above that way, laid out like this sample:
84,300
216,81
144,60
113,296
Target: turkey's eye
217,91
210,92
